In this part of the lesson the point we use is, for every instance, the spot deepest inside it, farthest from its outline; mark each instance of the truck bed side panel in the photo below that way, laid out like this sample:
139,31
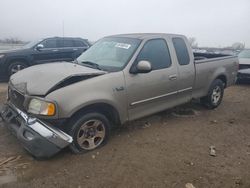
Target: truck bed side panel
210,69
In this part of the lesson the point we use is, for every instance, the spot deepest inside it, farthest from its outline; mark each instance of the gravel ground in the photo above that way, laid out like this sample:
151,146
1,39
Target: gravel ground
3,88
168,149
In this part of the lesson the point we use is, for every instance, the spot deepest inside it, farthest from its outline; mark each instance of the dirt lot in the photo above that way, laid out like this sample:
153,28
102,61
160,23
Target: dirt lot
164,150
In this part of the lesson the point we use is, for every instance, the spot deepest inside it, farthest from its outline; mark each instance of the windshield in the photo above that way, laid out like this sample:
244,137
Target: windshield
31,44
111,53
244,54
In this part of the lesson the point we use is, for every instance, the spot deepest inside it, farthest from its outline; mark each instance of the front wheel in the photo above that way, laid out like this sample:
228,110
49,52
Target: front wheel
89,132
215,95
15,67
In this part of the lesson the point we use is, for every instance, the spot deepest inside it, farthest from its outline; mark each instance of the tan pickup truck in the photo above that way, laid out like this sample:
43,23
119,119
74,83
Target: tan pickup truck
119,79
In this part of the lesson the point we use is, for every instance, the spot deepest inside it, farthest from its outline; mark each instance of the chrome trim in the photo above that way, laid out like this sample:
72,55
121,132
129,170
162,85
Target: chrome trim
64,48
160,96
52,134
186,89
153,98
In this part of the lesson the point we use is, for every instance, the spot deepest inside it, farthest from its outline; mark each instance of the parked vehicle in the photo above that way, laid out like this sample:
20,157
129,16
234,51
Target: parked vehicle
119,79
244,59
243,76
41,51
244,66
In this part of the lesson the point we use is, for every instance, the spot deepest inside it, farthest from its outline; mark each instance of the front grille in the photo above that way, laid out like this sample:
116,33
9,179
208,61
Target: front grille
243,66
16,98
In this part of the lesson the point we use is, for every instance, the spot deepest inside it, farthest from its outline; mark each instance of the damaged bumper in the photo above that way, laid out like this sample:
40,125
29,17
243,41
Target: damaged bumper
38,138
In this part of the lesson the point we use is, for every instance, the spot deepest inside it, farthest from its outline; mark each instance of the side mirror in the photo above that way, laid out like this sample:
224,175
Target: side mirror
142,67
39,47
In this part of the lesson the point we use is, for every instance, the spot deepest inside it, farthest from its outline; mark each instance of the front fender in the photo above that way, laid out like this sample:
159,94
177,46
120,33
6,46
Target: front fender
101,89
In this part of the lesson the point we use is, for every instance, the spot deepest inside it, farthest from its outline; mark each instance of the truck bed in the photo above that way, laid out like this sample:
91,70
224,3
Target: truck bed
202,56
207,70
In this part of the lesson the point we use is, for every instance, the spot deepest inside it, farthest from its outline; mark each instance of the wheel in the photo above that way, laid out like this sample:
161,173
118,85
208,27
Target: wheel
89,132
16,66
215,95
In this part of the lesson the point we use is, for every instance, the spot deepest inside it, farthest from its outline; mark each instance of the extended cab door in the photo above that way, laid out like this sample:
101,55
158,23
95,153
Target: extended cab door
186,68
155,91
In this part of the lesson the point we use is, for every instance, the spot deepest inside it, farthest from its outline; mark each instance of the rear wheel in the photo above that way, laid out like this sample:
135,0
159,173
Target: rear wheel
89,132
16,66
215,95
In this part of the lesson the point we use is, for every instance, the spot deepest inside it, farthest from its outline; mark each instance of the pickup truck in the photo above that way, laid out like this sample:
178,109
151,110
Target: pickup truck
244,66
119,79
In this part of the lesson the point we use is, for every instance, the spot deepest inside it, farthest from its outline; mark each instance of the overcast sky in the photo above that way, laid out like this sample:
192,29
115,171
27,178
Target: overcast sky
211,22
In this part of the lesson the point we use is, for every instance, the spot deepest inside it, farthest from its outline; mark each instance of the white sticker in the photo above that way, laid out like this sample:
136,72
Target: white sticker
123,45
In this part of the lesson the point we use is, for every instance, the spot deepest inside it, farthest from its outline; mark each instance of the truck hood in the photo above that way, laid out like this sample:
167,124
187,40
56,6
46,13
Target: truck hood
244,61
40,80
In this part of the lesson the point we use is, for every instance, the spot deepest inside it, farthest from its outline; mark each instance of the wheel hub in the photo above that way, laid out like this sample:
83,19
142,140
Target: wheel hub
91,134
16,68
216,95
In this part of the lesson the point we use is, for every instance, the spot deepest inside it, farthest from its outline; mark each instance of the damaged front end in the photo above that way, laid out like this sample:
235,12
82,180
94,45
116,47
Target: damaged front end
25,116
37,137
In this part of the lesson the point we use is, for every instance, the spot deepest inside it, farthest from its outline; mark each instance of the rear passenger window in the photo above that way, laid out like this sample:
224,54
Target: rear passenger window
60,43
68,43
181,51
156,52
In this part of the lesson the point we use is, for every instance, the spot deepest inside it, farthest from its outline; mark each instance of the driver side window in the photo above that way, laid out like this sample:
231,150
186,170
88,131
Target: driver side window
156,52
50,43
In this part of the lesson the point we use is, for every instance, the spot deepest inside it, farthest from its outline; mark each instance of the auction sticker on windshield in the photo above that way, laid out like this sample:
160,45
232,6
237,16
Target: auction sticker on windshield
123,45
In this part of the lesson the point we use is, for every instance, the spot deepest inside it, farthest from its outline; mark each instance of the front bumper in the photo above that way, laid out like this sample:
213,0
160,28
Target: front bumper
37,137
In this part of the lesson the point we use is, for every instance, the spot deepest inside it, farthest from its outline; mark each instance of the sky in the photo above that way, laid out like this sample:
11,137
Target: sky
214,23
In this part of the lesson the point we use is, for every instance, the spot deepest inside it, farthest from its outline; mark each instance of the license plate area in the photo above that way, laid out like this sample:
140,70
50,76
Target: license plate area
10,116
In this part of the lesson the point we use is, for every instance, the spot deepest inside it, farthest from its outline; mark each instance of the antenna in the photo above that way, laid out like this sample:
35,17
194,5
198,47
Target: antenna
63,28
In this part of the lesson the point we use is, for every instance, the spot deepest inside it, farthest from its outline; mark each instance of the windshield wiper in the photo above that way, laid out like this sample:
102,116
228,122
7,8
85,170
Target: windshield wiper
91,65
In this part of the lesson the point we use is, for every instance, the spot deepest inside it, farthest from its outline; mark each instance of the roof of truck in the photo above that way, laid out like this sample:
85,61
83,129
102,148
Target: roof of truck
145,35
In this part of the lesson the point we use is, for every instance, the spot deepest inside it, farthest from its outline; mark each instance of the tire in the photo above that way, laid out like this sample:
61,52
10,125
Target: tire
215,95
89,132
16,66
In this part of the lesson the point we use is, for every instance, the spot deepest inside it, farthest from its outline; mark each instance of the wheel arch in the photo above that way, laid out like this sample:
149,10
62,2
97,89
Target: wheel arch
13,59
21,59
223,78
108,110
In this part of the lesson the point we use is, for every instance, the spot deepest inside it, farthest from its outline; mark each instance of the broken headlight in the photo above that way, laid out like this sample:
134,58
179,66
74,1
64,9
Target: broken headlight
41,107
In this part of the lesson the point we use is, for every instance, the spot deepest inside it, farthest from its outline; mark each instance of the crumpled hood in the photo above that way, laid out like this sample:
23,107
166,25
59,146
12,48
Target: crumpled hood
41,79
244,61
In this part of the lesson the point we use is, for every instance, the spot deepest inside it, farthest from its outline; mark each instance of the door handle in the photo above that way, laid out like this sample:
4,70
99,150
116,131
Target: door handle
55,50
172,77
75,49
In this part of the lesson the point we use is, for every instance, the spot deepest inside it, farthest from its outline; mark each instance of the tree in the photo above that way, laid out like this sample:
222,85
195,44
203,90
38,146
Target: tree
238,46
11,40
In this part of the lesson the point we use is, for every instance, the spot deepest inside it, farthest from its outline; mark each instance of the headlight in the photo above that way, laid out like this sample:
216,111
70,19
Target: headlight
1,55
40,107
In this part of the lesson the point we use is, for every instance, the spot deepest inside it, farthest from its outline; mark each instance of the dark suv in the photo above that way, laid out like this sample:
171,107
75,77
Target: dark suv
41,51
